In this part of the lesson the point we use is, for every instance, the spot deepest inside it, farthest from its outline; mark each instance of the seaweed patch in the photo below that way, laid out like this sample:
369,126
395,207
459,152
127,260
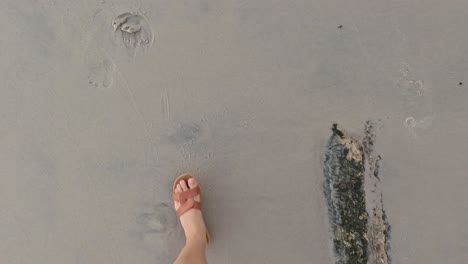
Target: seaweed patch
344,192
358,222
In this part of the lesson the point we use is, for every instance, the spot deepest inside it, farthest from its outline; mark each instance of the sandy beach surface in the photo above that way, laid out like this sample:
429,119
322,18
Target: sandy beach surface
104,102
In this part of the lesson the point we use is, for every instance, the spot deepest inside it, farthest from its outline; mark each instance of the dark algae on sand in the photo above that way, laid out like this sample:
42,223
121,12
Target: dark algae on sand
358,221
344,192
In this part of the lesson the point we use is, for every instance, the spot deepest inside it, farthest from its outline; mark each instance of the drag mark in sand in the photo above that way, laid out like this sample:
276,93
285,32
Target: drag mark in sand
357,218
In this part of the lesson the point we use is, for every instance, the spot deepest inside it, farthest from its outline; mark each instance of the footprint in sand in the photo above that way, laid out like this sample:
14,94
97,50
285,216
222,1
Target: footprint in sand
133,30
417,102
162,219
99,63
416,126
100,69
160,232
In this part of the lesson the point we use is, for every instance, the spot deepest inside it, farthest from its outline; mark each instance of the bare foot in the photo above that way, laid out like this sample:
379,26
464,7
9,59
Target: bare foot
192,220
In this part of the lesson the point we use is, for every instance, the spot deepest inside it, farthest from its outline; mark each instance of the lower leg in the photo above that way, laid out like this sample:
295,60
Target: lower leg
193,252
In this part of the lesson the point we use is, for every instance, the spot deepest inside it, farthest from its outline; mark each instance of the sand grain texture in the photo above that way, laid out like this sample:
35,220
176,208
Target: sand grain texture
98,115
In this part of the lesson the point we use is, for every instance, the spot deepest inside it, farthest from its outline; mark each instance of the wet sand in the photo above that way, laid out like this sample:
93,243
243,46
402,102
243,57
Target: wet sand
104,103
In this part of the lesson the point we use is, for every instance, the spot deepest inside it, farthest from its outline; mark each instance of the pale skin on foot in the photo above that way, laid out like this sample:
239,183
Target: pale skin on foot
194,228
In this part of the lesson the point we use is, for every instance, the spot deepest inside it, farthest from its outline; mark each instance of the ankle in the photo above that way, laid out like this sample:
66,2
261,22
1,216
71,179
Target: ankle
195,230
193,224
